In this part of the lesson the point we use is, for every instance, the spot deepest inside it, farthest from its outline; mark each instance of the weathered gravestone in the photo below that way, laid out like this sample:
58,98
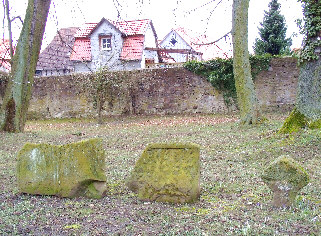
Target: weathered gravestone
70,170
167,173
285,177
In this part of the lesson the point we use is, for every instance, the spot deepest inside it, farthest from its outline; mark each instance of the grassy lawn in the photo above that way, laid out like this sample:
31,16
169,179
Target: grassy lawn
234,200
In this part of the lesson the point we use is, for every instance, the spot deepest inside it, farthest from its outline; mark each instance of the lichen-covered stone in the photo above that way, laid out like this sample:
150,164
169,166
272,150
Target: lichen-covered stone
297,121
167,173
285,177
70,170
294,122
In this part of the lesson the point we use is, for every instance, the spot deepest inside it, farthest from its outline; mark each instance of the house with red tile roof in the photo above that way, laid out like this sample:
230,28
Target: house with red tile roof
181,45
115,45
5,55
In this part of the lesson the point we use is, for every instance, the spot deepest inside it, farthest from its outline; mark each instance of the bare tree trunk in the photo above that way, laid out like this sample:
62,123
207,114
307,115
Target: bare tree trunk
307,113
246,96
18,91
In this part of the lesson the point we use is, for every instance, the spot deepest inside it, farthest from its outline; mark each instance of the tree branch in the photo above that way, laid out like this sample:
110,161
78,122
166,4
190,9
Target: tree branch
9,28
224,36
64,42
17,17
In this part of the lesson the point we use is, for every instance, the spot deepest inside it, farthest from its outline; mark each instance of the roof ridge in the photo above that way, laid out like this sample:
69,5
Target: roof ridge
133,20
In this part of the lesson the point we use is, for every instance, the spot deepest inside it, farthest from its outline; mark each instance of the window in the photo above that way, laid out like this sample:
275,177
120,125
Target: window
173,41
149,61
105,43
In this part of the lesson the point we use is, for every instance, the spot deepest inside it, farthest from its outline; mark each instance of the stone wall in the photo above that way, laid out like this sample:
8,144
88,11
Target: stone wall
276,88
157,91
150,91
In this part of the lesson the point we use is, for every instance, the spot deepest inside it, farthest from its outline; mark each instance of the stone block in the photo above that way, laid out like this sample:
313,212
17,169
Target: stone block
167,173
285,177
70,170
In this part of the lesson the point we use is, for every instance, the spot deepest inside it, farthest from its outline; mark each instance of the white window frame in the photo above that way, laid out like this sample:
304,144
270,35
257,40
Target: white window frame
105,46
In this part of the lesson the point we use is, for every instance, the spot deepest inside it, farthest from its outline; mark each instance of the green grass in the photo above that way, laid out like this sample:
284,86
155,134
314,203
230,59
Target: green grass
234,200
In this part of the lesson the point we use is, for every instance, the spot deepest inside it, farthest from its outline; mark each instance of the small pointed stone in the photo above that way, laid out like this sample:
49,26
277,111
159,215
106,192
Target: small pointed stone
285,177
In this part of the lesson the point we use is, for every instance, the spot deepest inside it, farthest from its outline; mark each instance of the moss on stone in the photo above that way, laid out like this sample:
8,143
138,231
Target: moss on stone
315,124
294,122
167,173
70,170
297,121
286,168
286,178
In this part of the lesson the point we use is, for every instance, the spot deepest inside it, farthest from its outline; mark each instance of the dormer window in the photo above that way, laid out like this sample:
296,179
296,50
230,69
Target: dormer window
105,43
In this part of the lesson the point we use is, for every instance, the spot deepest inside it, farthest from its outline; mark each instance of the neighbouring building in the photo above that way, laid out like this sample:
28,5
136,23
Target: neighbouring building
5,58
55,58
120,45
181,45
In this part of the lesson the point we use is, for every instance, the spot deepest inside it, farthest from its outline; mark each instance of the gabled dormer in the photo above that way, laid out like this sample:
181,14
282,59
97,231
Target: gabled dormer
116,45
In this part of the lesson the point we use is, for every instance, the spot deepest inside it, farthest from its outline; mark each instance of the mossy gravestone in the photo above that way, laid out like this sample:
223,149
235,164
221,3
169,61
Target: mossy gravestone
70,170
285,177
167,173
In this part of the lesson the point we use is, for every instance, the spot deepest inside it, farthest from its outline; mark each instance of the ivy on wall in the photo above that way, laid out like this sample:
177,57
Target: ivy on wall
311,29
219,72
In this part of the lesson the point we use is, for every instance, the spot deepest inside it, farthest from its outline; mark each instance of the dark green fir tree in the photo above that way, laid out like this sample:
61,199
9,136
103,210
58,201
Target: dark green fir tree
273,33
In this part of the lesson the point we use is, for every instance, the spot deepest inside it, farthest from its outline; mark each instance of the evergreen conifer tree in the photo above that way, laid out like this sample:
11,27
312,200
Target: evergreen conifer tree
273,33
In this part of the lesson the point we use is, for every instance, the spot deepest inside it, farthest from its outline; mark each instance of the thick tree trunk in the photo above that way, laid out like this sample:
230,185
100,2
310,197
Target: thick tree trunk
18,91
309,90
246,96
308,105
307,113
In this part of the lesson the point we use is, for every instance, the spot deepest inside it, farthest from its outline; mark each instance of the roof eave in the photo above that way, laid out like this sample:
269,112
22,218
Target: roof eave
100,23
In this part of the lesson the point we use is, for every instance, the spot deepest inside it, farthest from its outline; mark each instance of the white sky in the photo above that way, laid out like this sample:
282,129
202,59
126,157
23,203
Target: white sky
213,19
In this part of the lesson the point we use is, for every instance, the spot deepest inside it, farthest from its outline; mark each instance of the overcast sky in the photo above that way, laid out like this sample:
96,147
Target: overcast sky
210,17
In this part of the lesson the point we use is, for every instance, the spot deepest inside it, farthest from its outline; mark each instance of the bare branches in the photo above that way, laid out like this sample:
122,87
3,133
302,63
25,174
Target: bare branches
7,15
64,42
17,17
211,13
117,6
224,36
201,6
9,27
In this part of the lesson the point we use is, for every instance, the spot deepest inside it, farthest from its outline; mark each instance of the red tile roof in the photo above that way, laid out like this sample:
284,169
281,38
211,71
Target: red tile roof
5,54
4,49
6,65
81,50
132,48
85,30
133,27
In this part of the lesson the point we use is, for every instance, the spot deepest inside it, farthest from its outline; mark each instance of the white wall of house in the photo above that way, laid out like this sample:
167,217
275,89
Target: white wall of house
174,41
82,67
150,41
106,58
